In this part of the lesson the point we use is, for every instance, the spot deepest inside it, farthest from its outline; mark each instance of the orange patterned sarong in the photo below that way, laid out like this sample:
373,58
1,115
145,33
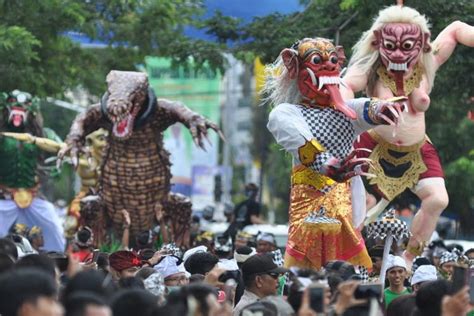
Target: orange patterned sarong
310,246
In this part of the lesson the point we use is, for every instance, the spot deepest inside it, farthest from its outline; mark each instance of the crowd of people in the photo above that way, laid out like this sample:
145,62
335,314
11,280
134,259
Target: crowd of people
219,275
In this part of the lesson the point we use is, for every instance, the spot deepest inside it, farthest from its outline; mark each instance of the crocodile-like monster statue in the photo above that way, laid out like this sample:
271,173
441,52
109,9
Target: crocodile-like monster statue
136,169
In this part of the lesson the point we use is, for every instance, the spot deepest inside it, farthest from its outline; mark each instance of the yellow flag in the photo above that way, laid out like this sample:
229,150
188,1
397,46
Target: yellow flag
259,72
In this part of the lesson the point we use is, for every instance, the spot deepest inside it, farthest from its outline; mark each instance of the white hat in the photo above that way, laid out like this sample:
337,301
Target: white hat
167,266
395,261
268,237
424,273
192,251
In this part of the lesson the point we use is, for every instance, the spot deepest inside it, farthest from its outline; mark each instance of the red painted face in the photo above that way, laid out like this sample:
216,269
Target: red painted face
400,46
317,67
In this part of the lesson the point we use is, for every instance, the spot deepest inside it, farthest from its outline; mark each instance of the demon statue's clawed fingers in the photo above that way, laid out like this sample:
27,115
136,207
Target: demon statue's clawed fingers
388,112
343,170
73,150
198,127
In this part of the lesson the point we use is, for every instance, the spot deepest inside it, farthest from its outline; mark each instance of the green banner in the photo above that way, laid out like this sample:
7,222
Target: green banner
198,89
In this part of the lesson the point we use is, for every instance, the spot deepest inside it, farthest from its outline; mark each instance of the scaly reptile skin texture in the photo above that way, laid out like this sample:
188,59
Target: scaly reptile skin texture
135,173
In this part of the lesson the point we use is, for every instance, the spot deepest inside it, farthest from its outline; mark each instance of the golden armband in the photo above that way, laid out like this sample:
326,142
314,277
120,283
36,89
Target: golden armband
308,152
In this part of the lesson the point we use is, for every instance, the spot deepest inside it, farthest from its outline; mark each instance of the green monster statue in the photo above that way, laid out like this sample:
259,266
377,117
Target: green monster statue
19,183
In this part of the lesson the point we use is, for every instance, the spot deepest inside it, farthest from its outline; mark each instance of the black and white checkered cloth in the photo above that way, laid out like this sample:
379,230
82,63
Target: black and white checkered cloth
319,217
389,224
448,257
332,129
363,273
173,250
277,257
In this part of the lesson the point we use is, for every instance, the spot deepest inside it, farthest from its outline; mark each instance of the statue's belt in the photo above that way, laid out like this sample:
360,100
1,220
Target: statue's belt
23,197
397,167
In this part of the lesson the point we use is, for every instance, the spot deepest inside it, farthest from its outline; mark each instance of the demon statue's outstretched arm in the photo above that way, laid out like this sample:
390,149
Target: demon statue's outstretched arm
197,124
455,33
83,125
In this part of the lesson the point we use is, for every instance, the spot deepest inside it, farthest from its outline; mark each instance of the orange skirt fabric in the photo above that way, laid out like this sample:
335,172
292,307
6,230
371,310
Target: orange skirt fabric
312,247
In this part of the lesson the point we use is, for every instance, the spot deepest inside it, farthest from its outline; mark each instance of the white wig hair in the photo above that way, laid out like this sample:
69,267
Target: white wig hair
279,87
366,58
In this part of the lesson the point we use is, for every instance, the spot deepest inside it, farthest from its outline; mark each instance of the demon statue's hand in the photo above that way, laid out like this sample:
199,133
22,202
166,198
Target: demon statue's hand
73,149
198,125
387,112
341,170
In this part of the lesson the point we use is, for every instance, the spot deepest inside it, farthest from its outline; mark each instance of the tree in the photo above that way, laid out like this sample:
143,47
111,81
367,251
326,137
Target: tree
37,56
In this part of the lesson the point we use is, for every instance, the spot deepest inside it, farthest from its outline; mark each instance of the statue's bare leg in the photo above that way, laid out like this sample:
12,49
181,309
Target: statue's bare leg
434,199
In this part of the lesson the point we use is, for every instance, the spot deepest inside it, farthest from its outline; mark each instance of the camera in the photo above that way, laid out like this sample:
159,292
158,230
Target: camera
368,290
227,275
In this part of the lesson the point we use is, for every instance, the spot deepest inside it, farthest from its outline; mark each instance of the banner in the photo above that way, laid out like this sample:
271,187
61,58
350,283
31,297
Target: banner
200,91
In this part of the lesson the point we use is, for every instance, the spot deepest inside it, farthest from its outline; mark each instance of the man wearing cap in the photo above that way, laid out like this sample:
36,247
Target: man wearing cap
447,262
424,273
124,264
396,275
260,276
266,243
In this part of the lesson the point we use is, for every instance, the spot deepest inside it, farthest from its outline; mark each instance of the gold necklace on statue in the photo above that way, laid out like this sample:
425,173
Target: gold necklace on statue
409,84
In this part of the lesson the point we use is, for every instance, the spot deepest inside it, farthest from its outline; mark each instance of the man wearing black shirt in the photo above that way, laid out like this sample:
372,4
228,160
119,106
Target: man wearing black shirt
246,212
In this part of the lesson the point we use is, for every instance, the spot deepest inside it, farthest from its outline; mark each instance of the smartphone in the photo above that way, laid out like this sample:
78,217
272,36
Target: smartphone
459,278
95,255
368,290
62,263
471,285
316,298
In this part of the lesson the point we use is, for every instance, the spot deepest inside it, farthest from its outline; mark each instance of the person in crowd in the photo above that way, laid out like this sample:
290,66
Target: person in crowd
243,239
145,272
83,244
447,262
28,292
205,239
418,262
260,275
39,261
8,247
36,239
169,269
123,264
402,305
144,240
423,274
469,253
90,281
247,212
6,262
19,229
86,304
241,254
201,263
133,302
266,242
396,275
376,255
430,296
22,244
131,283
436,249
223,250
